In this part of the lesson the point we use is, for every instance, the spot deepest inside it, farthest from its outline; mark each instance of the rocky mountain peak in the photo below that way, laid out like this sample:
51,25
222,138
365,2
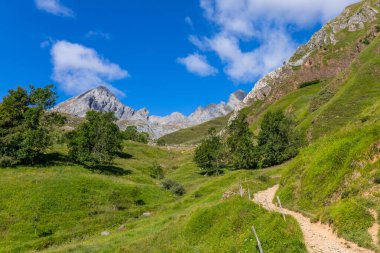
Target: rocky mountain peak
98,99
236,98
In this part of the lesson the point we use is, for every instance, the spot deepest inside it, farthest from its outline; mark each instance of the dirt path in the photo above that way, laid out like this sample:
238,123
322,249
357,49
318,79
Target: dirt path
374,230
319,238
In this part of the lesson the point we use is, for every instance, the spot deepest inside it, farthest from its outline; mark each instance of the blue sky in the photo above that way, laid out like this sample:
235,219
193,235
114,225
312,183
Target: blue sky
166,55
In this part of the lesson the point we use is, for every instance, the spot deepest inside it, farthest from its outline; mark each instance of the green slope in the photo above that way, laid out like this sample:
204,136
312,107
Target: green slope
62,207
195,134
331,180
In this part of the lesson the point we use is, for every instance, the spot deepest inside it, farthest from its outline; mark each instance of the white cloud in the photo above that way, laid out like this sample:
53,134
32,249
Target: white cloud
247,66
77,68
54,7
104,35
197,64
246,17
264,22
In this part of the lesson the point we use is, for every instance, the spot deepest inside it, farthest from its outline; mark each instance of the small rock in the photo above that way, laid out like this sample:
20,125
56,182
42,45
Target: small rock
122,227
147,214
105,233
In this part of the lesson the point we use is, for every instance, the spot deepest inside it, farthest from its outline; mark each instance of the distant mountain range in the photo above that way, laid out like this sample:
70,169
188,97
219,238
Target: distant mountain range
102,99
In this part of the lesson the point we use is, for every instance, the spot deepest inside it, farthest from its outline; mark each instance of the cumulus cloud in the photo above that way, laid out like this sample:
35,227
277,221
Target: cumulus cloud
77,68
54,7
198,65
247,66
246,17
267,24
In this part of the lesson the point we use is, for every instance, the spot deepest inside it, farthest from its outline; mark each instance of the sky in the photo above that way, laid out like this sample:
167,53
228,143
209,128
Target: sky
165,56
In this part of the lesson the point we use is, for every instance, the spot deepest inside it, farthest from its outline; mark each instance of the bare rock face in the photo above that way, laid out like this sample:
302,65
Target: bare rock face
217,110
99,99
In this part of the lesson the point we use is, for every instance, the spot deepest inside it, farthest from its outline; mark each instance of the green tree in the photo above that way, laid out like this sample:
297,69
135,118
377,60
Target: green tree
242,152
132,134
208,155
26,125
95,141
278,140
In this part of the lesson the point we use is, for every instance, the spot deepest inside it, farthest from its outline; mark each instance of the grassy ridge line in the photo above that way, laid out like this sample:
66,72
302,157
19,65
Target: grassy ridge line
195,134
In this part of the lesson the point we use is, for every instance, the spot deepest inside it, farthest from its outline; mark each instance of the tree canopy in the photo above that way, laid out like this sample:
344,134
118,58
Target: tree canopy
95,141
208,155
26,124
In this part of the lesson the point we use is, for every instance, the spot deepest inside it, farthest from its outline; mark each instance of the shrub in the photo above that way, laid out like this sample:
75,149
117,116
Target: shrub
198,195
161,142
168,184
174,187
140,202
263,178
156,171
6,161
178,189
132,134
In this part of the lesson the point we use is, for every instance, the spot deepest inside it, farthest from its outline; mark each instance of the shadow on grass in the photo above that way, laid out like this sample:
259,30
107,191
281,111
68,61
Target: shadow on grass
109,170
124,155
54,158
212,173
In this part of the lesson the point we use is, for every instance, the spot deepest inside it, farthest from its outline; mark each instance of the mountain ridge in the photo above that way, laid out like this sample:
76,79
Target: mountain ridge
102,99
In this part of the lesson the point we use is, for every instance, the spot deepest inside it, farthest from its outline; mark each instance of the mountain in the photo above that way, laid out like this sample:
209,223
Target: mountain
324,61
102,99
327,53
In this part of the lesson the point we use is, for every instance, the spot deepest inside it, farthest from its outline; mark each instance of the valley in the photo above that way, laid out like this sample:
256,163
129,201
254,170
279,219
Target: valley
77,177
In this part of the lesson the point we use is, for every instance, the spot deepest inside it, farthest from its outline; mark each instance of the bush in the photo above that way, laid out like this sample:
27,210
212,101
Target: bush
263,178
156,171
174,187
132,134
178,190
161,142
6,161
198,195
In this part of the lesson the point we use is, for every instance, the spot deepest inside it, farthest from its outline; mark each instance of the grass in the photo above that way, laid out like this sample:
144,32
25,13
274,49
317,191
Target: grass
328,181
63,207
195,134
296,104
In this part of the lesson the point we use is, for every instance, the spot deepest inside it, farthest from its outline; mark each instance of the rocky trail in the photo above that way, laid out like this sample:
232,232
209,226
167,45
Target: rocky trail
319,238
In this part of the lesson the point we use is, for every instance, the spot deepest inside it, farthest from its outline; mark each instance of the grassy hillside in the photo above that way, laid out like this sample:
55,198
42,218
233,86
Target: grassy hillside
335,179
195,134
63,207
